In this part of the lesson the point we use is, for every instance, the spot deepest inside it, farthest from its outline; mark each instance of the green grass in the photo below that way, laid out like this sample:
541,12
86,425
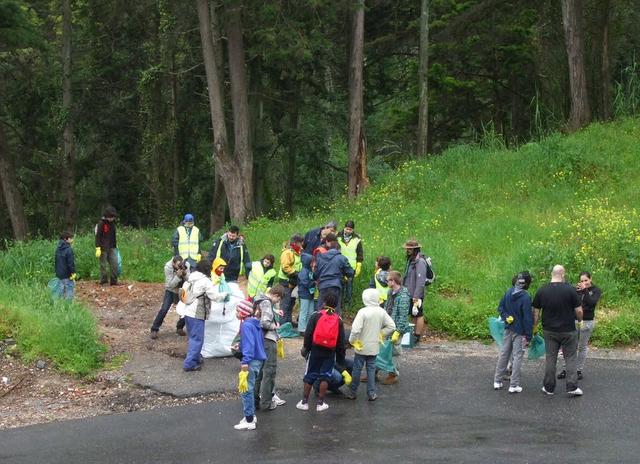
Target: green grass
481,212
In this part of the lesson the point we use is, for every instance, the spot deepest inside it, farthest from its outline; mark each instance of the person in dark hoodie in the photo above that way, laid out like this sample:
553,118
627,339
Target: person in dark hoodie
233,250
306,291
332,268
65,266
515,309
106,246
316,237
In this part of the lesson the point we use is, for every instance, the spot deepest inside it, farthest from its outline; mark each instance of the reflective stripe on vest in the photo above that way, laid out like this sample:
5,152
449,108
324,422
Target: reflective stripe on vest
258,279
188,244
297,266
241,256
348,250
383,292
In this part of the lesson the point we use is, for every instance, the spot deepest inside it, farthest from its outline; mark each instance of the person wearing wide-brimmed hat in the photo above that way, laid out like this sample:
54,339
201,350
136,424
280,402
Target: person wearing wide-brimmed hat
415,278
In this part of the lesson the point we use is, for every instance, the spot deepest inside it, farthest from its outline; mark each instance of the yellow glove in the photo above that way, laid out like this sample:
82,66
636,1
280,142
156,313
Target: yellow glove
73,276
198,257
509,320
98,252
243,381
395,338
346,377
357,345
381,337
358,269
280,348
579,325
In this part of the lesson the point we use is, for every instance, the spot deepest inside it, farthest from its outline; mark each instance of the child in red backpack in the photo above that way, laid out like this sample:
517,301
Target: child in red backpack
324,349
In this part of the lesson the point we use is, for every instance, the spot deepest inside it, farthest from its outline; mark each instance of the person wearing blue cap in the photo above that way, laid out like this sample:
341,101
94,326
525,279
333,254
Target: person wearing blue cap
186,241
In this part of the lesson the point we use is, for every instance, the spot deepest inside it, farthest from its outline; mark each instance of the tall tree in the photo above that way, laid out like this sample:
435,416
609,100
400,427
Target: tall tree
68,173
423,82
12,195
580,114
357,161
225,164
605,73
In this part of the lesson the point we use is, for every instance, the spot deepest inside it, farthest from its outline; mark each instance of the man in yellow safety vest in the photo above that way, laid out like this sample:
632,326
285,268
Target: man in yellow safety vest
232,248
351,248
186,241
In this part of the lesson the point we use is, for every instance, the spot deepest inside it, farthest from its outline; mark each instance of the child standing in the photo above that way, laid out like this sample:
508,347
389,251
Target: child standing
253,356
379,279
371,323
65,266
324,348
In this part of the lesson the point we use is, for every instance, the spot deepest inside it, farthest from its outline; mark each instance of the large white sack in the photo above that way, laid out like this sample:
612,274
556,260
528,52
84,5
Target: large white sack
222,325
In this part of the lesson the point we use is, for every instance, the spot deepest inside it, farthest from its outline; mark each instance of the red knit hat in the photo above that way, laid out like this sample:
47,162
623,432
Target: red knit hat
245,309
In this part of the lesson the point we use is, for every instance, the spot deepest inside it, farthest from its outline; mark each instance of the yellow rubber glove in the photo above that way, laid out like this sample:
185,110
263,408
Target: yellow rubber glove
395,338
357,345
280,348
346,377
198,257
73,276
381,337
243,381
509,320
579,325
358,269
98,252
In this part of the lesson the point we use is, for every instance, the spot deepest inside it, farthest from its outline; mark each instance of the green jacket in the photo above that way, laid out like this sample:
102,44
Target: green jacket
398,306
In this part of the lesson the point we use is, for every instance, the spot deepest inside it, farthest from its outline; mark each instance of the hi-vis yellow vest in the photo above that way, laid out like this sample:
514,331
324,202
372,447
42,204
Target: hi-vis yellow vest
348,250
297,264
188,244
383,292
258,279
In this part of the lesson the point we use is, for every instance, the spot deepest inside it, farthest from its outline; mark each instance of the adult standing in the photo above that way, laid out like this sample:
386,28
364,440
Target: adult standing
560,306
415,279
106,246
261,276
589,296
175,273
186,241
290,266
351,248
232,249
332,269
316,237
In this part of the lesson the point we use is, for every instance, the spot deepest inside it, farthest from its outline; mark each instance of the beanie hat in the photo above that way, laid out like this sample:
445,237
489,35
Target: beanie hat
245,309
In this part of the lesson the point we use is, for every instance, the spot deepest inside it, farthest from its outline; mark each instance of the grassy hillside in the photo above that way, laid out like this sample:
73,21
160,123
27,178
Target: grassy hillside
481,212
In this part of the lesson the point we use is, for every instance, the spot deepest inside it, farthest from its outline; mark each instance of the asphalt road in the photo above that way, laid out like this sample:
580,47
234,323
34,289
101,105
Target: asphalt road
443,410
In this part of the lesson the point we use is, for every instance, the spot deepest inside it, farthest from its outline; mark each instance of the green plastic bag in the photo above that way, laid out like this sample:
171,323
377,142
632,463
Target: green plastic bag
384,360
536,347
496,329
286,330
119,258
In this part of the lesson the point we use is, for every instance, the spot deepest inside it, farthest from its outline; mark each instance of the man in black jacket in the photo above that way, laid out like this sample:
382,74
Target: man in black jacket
106,245
232,249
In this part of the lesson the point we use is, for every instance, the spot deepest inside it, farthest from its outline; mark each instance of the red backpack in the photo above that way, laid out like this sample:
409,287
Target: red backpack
327,329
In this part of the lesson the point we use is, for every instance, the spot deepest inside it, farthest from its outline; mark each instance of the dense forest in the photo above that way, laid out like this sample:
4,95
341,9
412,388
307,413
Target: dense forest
231,109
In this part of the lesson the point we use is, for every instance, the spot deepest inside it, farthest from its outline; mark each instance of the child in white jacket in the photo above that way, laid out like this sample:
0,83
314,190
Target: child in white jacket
370,325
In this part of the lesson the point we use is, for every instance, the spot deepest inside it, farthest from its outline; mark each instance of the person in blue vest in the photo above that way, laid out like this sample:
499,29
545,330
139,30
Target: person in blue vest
65,266
186,241
316,237
232,249
351,248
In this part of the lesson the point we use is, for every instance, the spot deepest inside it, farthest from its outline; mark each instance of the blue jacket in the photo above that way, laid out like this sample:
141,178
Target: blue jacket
306,283
331,267
517,303
312,240
251,341
65,263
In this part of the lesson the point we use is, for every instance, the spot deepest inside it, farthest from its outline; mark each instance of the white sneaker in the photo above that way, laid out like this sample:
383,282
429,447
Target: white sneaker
244,425
576,392
497,385
279,401
302,406
322,407
544,390
517,389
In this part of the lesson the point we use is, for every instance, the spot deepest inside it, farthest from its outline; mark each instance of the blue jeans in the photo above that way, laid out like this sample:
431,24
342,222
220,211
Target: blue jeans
306,309
248,401
195,327
167,301
66,289
358,362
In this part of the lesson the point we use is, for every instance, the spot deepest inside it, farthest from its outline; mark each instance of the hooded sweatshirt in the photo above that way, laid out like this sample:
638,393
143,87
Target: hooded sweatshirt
251,341
65,263
306,284
516,302
205,292
331,267
368,323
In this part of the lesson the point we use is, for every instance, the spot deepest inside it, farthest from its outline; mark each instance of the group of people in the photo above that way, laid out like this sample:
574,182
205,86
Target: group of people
567,314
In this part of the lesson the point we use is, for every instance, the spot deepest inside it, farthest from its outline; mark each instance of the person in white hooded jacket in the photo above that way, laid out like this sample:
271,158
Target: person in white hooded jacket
370,325
197,312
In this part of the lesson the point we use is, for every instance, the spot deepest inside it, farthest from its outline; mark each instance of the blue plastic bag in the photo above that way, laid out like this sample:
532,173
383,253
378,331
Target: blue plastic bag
55,286
536,347
384,360
496,329
119,256
286,330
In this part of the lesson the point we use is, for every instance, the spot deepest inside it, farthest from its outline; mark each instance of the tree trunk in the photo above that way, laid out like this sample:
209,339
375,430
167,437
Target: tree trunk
605,76
240,101
355,100
580,114
68,173
226,166
219,206
422,146
12,196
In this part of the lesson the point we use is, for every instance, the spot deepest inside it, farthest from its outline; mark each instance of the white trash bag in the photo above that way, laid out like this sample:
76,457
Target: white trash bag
222,326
